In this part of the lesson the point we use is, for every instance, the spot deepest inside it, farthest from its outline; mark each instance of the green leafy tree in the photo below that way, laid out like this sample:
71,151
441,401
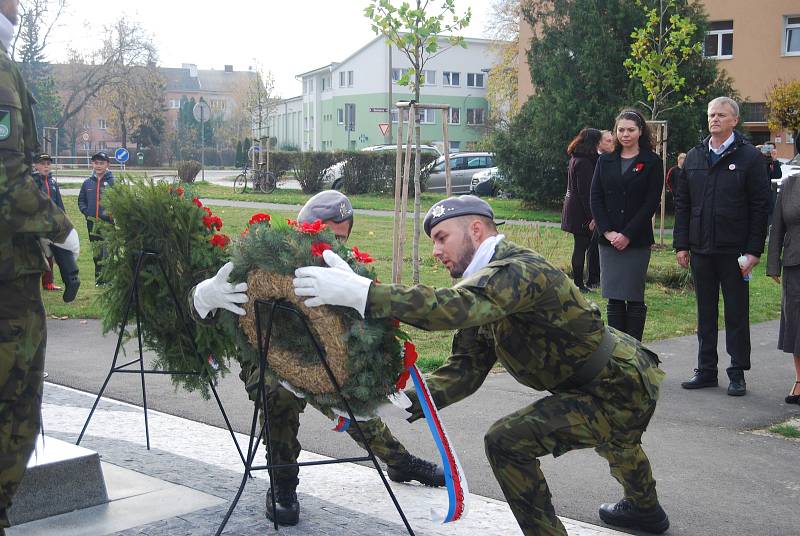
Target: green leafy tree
783,102
419,31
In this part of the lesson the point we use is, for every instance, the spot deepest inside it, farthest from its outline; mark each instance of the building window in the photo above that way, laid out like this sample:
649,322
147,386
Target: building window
174,104
451,79
475,116
455,146
102,124
397,74
429,78
87,146
340,116
719,40
427,116
323,84
791,36
454,116
405,116
349,78
342,79
475,79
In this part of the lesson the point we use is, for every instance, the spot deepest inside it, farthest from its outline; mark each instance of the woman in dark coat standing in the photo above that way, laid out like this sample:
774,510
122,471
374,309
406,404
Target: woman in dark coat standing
626,192
576,217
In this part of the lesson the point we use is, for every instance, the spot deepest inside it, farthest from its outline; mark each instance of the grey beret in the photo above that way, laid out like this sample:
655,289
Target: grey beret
452,207
328,205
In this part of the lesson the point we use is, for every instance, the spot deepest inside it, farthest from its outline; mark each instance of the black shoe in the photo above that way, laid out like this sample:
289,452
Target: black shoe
700,380
737,387
792,398
594,285
287,507
625,514
413,468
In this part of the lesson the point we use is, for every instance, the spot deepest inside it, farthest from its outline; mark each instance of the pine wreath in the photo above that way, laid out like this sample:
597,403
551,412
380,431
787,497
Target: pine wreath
185,234
366,355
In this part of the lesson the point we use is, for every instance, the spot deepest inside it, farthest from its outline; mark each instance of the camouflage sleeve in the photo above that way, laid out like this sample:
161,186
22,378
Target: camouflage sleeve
489,295
25,209
462,374
210,320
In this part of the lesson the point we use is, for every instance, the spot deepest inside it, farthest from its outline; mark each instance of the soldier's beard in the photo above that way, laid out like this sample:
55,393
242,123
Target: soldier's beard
467,253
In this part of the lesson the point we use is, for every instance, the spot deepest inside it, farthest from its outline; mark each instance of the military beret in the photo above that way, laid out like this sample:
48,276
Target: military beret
453,207
100,156
328,205
43,156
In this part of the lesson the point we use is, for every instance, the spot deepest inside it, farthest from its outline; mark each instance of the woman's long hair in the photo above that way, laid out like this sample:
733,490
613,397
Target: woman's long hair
645,140
585,143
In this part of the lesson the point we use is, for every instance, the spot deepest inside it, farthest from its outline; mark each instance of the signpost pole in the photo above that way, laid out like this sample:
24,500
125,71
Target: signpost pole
202,145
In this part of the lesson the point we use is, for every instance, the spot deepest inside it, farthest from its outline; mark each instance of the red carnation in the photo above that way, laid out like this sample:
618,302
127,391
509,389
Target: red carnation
207,211
638,167
258,218
317,248
220,240
197,202
180,191
409,358
312,228
291,223
362,256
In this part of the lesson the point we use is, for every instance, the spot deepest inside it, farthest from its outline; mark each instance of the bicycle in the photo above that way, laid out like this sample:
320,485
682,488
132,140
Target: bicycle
262,180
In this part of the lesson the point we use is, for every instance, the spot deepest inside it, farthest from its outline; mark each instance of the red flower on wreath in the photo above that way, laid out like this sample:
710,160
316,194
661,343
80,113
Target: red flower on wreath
317,248
220,240
291,223
212,221
409,358
638,167
197,202
312,228
258,218
362,256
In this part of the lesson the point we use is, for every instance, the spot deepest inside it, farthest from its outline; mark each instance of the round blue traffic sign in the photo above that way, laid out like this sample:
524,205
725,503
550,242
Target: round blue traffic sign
121,155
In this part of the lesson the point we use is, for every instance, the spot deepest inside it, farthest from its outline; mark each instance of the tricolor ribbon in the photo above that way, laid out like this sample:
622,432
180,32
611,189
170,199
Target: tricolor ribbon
342,424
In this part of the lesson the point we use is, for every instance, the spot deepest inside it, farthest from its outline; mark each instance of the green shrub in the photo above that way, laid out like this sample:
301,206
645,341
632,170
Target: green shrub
309,167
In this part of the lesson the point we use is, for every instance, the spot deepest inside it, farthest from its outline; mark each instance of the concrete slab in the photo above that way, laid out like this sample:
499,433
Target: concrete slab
61,477
135,499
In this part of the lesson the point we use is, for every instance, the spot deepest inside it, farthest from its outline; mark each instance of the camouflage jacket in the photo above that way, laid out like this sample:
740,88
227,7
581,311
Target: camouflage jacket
26,213
524,312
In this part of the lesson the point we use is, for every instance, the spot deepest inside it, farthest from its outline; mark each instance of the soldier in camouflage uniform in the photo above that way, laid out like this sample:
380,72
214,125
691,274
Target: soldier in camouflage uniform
335,210
26,216
514,307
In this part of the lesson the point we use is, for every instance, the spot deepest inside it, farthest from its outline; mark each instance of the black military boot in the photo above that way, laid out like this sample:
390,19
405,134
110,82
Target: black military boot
617,316
413,468
636,317
624,514
737,387
701,379
287,507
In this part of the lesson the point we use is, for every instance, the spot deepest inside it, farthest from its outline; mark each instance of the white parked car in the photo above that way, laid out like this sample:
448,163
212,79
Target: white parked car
488,183
790,167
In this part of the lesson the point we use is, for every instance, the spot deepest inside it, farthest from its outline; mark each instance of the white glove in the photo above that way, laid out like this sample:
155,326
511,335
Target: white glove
216,293
336,285
71,243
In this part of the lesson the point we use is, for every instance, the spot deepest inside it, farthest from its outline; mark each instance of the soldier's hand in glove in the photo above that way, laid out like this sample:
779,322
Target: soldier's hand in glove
218,293
337,285
72,244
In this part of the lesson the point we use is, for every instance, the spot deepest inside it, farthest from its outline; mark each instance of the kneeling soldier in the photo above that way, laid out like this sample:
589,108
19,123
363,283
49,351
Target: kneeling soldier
514,307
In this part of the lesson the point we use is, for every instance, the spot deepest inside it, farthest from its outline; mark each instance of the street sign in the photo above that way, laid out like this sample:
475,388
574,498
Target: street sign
381,110
384,128
201,111
121,155
85,136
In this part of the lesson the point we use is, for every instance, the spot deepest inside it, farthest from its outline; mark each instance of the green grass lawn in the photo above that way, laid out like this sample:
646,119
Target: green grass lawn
671,311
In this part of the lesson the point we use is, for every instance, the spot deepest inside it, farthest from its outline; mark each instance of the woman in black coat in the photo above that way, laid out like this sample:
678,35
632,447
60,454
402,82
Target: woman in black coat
626,192
576,217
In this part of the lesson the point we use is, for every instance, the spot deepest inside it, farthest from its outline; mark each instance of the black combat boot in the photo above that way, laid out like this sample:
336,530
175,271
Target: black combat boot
636,317
287,507
701,379
413,468
624,514
617,316
737,387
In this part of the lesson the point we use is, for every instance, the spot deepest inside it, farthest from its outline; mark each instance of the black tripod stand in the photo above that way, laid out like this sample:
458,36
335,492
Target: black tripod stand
133,298
261,402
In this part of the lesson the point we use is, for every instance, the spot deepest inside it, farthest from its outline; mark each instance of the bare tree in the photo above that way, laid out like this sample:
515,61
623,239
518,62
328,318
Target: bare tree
501,88
37,18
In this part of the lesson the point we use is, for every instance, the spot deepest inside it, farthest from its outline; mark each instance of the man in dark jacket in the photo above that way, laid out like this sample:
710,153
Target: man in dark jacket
90,203
721,207
47,184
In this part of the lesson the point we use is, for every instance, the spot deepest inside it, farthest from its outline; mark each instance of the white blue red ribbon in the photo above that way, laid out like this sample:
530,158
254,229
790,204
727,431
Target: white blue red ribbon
342,424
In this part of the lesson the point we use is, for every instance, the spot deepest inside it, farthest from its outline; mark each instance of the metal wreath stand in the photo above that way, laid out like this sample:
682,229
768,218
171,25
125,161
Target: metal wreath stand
133,299
264,335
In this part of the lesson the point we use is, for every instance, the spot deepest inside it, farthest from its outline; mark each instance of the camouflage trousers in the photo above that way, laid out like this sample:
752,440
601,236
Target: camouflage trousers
555,425
284,418
22,349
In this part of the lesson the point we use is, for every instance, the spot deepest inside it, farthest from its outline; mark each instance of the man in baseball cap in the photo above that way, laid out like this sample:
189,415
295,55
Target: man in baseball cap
334,210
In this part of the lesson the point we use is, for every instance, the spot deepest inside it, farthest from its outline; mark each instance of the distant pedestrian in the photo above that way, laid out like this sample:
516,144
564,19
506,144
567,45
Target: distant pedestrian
784,253
673,171
721,207
45,181
626,191
576,216
90,203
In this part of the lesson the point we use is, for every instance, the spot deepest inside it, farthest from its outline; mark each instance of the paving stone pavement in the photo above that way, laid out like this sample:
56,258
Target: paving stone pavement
335,499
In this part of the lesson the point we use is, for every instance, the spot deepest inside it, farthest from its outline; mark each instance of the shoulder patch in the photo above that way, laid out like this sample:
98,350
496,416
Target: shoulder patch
5,123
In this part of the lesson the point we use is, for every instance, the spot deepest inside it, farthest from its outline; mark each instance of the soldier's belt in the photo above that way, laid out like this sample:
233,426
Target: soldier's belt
596,362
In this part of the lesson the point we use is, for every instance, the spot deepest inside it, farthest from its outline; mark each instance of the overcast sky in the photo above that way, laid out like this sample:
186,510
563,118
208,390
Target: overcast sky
287,37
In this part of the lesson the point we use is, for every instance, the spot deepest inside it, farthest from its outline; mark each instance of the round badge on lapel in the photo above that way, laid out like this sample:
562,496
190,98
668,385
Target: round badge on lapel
732,167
